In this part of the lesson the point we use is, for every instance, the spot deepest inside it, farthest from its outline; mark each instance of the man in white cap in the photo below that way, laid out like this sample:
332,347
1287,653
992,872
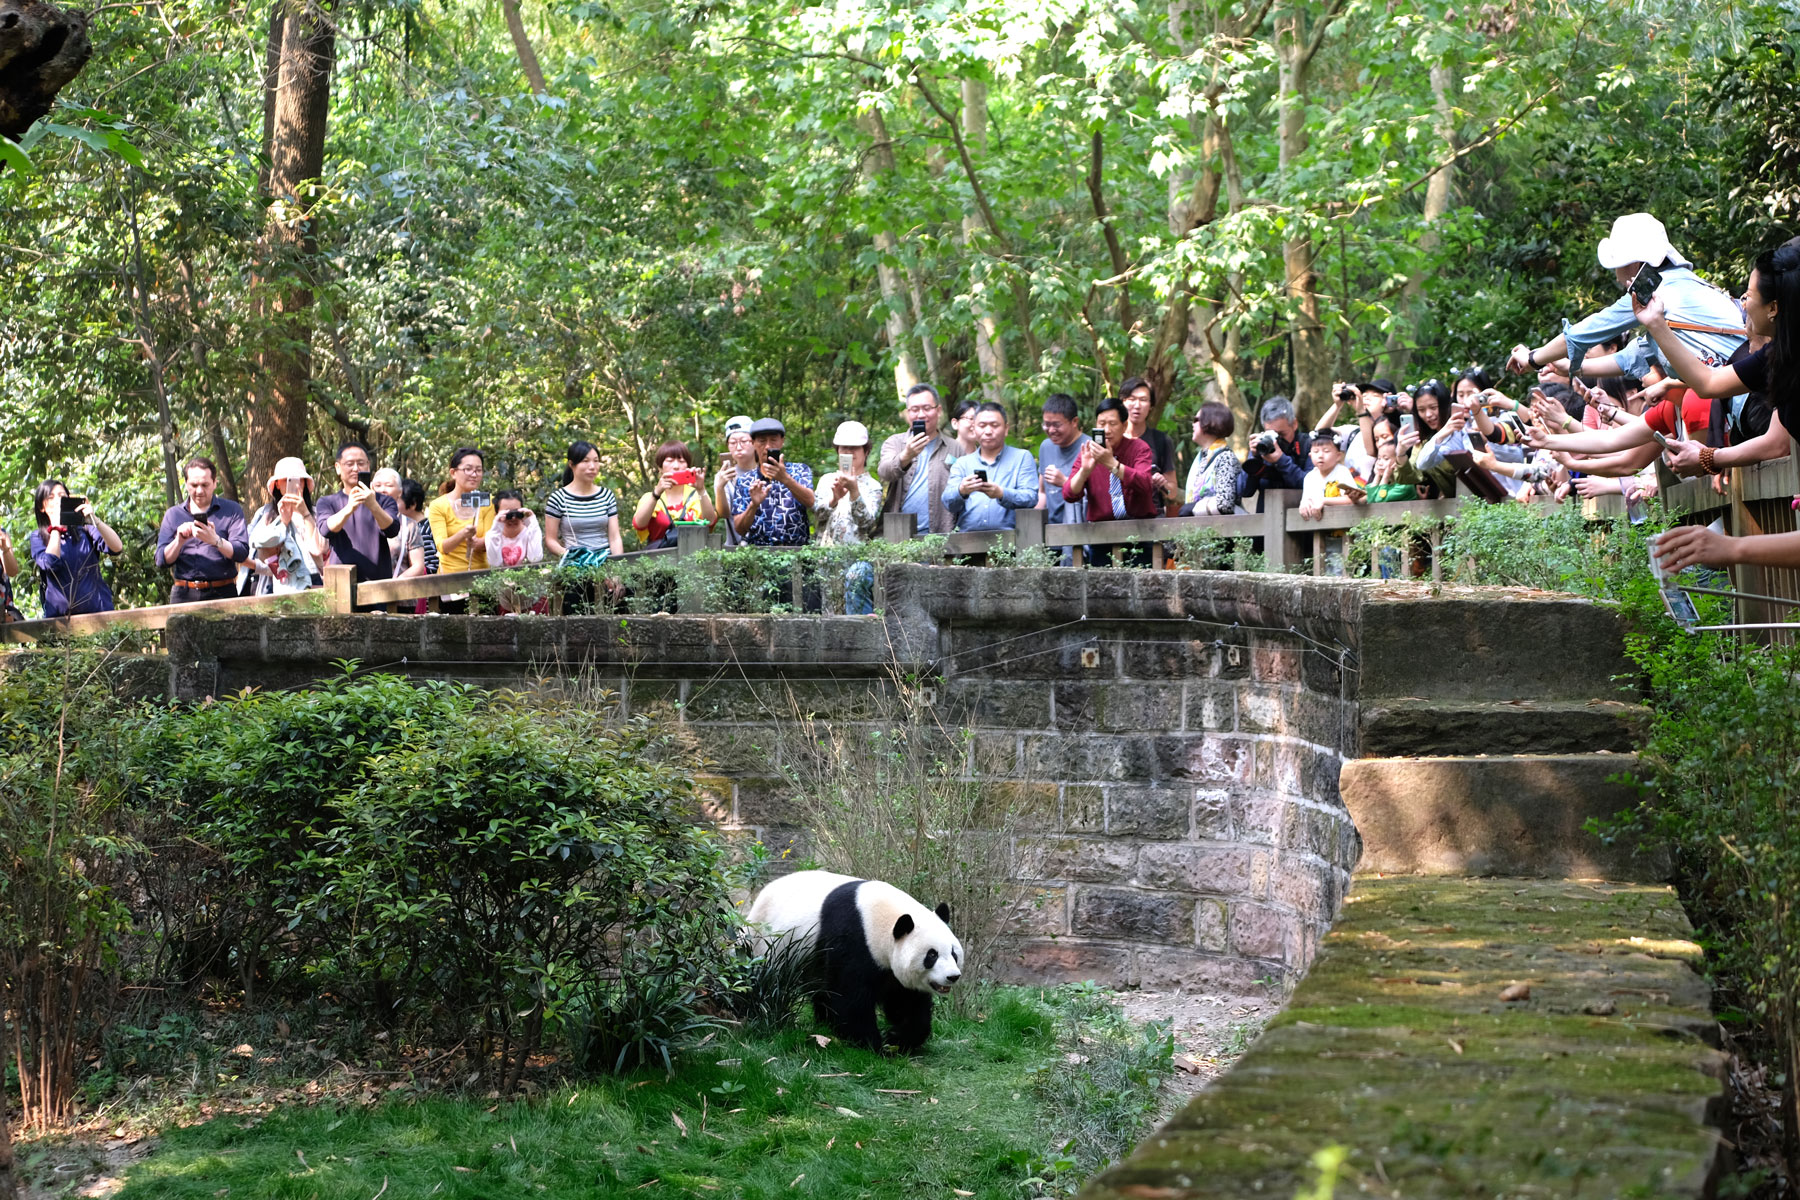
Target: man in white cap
847,510
1703,316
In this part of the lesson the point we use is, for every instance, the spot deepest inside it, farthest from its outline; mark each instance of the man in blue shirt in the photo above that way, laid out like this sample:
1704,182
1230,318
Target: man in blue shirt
769,508
914,466
985,487
203,541
1707,319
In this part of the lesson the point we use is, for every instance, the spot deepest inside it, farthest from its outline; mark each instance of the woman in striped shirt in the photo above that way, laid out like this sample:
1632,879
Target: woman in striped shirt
581,518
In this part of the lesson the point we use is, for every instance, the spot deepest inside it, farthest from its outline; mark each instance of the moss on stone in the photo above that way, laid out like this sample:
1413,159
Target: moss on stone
1398,1046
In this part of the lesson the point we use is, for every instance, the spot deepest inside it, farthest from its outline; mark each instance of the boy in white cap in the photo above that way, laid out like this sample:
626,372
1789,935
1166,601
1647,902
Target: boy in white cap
1703,316
847,510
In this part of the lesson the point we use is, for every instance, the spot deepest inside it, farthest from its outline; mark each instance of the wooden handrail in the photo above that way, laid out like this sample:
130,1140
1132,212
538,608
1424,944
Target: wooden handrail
157,616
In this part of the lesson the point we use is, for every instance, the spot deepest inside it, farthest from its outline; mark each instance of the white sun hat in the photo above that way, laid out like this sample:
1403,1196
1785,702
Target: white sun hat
1638,237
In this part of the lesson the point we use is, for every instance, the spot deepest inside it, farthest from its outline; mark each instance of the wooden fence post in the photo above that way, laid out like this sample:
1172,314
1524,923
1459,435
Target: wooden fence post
1278,547
899,527
340,586
1028,527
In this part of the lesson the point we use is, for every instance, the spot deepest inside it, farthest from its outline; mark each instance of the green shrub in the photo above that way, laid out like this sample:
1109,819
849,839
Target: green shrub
65,853
445,860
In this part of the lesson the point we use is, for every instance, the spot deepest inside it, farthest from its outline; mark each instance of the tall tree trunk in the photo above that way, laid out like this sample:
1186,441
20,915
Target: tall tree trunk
1224,355
1115,252
990,351
528,59
1306,331
1405,334
140,290
888,272
296,154
916,286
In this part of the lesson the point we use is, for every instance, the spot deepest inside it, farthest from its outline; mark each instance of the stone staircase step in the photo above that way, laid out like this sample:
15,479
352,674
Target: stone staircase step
1486,646
1436,728
1501,814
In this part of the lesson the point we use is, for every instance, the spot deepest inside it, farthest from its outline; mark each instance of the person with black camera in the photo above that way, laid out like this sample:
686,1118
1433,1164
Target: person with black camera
66,548
915,463
1705,318
203,541
1279,455
356,520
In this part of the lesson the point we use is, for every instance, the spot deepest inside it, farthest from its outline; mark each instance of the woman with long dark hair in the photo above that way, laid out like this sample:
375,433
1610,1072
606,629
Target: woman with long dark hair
68,552
581,518
1772,309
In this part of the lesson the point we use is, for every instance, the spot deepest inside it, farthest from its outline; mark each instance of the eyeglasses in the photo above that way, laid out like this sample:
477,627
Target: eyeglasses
472,468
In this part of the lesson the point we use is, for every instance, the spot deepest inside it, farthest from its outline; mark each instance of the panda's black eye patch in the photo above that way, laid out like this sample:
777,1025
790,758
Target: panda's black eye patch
931,957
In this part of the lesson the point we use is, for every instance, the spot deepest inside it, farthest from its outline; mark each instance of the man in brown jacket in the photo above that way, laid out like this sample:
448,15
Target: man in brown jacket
915,463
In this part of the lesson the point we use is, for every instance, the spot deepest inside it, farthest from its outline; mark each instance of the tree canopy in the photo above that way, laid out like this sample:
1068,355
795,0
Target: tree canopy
627,221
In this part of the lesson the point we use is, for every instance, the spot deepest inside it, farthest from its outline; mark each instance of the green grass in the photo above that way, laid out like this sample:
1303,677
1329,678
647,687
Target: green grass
765,1116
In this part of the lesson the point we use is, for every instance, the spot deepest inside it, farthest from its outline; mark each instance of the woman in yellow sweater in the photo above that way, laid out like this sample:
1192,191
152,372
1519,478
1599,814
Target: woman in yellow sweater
458,524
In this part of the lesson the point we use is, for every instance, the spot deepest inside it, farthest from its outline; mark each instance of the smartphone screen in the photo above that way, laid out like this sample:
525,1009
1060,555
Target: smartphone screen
363,477
1406,420
846,463
1645,284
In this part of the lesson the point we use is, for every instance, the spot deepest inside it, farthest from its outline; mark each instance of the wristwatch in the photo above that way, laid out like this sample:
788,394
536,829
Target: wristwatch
1531,357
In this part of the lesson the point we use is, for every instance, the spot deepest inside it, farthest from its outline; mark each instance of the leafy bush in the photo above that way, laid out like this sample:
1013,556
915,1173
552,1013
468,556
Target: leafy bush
445,859
65,852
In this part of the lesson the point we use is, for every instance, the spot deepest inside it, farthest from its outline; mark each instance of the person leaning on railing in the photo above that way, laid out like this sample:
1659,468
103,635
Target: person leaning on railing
68,558
1773,309
203,541
988,485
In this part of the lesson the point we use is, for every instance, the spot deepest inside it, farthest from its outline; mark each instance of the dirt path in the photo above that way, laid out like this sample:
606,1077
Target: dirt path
1211,1033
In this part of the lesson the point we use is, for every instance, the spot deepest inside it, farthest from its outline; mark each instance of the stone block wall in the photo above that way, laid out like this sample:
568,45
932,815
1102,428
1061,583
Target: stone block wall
1171,742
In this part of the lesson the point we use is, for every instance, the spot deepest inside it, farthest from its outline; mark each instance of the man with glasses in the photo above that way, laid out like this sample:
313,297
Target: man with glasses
915,463
355,521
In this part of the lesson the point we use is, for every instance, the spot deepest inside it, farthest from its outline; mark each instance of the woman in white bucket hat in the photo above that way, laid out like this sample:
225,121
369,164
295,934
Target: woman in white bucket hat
285,546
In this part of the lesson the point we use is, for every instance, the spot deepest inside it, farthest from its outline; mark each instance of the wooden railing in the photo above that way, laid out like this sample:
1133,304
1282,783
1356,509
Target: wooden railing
1757,501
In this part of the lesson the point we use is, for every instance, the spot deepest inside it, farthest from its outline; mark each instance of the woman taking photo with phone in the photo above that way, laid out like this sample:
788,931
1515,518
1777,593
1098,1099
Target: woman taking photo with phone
286,547
66,547
675,498
459,520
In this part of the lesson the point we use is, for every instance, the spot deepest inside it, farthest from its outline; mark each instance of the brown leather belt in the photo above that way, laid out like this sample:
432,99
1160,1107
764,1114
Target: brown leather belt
202,585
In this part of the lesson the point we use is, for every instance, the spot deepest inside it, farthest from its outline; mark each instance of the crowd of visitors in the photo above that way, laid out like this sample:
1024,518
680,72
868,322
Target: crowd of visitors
1709,383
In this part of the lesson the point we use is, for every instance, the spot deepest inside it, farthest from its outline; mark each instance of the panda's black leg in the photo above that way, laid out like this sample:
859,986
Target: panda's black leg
909,1018
847,1008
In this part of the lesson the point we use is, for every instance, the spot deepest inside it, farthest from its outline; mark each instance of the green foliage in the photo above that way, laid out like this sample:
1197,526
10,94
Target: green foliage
65,854
466,865
1101,1090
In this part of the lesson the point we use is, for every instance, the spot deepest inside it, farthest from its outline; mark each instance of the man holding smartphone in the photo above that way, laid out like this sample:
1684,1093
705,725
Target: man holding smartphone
769,508
356,520
914,464
1638,253
203,541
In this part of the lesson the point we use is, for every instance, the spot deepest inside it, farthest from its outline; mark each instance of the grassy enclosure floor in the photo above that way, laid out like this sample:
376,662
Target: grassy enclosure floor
745,1116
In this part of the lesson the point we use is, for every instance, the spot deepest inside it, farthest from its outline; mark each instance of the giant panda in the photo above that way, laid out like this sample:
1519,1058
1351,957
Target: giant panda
876,945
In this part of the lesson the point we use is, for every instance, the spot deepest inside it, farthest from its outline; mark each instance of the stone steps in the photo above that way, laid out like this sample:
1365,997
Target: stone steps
1409,728
1397,1046
1507,814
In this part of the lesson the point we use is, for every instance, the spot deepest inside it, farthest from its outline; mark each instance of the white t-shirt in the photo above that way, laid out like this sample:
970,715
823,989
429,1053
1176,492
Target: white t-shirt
1316,488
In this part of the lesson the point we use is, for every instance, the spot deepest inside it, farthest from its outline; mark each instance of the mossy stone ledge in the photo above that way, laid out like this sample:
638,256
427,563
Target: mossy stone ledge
1398,1047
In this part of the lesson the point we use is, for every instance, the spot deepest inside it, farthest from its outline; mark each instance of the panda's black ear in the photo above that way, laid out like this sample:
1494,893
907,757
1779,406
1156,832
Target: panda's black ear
903,926
943,912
